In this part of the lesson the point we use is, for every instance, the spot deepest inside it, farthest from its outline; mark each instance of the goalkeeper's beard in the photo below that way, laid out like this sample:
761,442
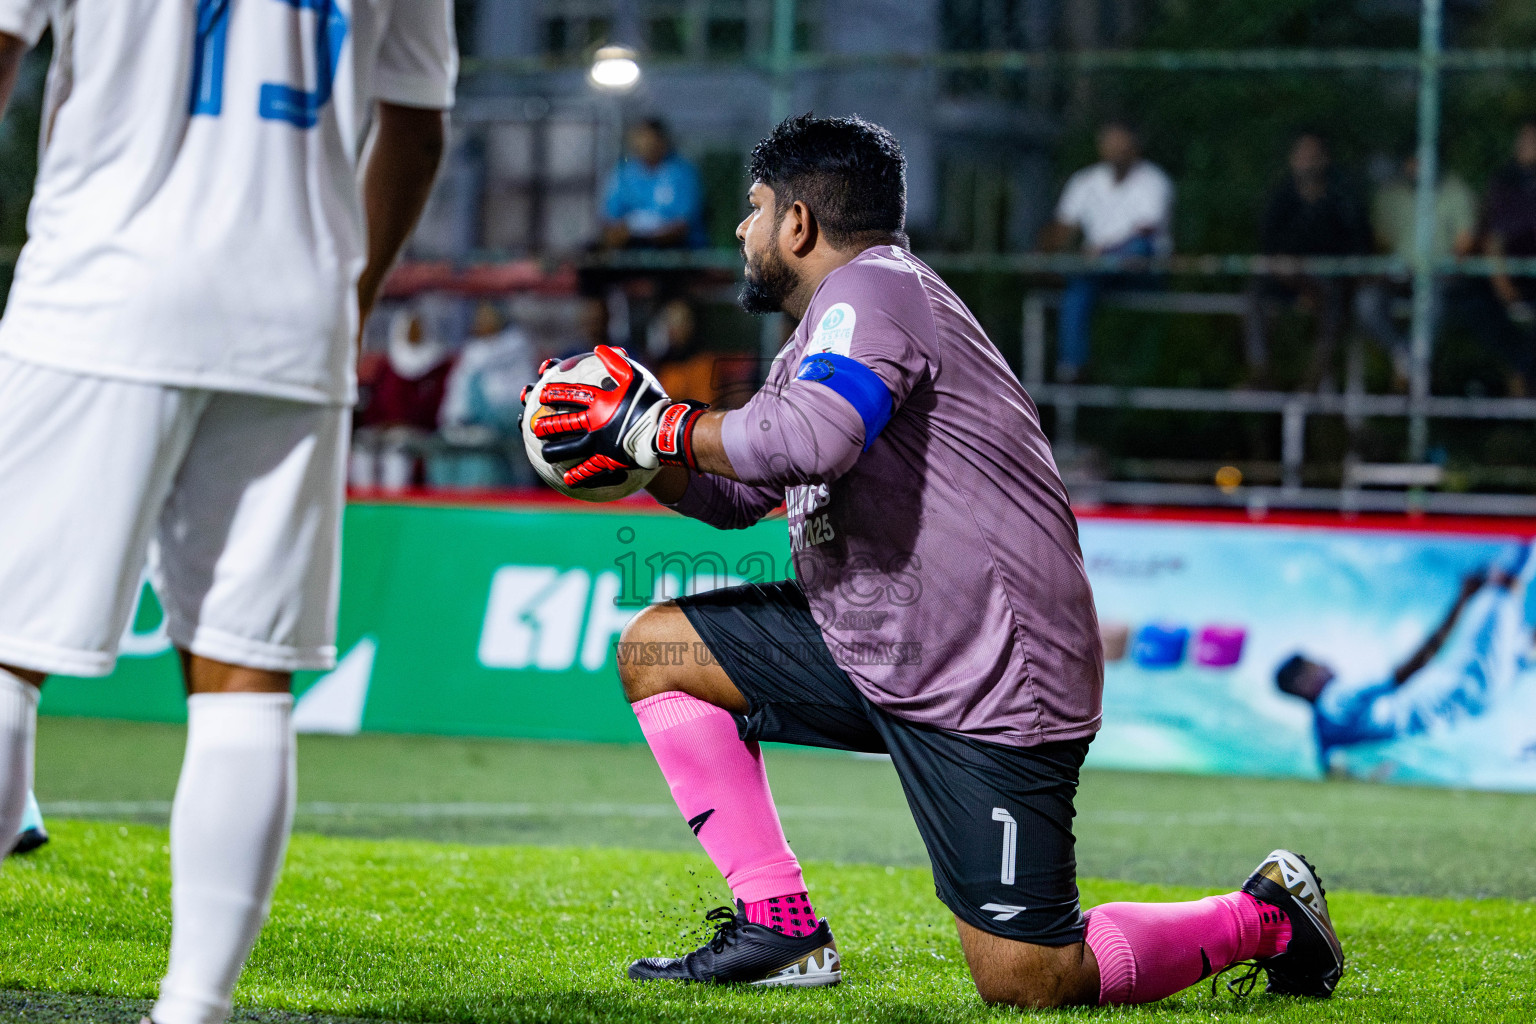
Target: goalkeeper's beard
769,283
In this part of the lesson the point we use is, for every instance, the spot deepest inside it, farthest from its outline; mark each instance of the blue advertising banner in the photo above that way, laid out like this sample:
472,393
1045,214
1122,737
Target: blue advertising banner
1300,651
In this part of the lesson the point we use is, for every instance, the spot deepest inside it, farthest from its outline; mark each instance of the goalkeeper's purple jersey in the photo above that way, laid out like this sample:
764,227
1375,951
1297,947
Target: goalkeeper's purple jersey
930,529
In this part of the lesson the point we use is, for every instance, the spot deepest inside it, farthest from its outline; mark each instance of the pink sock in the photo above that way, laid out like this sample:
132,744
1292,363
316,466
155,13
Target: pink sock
720,786
793,914
1147,951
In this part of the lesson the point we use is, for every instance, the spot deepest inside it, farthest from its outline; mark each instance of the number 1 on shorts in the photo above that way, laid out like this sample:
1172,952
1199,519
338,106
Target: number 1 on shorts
1010,843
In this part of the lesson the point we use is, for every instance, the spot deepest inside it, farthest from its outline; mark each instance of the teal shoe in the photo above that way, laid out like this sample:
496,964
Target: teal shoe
32,834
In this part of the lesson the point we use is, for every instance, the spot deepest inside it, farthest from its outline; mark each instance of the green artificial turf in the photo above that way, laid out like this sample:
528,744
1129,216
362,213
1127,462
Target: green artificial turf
413,931
580,862
1176,829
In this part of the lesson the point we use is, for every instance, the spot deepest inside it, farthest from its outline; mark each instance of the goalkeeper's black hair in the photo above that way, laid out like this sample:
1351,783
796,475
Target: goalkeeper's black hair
850,173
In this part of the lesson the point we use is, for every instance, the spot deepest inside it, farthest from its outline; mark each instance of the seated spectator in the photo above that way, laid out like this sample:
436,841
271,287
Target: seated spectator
488,376
1121,206
404,385
1393,219
1311,212
588,329
655,199
480,411
684,369
1508,306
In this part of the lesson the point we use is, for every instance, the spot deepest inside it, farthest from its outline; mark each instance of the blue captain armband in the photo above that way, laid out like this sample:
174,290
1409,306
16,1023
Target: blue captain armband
858,384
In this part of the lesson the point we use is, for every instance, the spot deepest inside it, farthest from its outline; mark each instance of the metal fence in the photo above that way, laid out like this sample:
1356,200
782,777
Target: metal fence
1411,482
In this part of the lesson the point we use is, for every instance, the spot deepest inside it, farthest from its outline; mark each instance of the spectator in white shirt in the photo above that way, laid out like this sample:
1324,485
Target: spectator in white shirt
1121,206
479,417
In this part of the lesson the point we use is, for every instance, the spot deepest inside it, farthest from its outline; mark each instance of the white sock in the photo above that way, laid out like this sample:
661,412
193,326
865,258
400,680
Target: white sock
18,736
32,817
229,827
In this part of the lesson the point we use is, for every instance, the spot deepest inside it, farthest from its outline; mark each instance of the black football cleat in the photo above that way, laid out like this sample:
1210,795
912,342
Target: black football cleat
29,840
743,953
1314,961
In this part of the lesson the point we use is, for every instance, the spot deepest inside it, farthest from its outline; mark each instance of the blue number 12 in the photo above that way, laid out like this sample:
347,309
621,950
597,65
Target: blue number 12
297,107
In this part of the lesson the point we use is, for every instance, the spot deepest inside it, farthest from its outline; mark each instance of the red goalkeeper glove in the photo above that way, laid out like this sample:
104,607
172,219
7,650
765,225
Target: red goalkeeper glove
632,425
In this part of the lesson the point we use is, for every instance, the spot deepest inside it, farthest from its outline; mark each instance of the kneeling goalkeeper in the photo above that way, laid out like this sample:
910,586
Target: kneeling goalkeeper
940,614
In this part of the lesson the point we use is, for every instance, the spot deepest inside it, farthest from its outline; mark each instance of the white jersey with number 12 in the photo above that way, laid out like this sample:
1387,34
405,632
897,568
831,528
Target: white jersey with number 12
197,219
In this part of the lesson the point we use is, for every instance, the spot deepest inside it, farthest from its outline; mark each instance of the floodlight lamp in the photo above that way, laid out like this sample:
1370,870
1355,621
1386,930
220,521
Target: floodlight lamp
614,69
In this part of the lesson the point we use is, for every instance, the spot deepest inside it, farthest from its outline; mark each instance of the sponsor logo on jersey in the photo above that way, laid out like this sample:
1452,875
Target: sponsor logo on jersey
861,620
806,528
834,331
803,500
816,370
810,532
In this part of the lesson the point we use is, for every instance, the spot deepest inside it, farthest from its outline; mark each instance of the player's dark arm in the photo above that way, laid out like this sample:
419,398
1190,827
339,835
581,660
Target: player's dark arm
12,50
407,150
721,501
709,449
1436,640
1502,284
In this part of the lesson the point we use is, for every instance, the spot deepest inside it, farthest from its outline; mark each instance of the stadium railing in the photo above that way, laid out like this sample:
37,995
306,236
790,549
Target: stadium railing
1406,486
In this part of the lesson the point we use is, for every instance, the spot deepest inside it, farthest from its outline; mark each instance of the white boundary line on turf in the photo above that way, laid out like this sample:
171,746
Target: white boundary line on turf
439,811
107,808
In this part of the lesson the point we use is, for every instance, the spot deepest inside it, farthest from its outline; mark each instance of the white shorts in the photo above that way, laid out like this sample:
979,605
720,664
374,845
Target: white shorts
234,501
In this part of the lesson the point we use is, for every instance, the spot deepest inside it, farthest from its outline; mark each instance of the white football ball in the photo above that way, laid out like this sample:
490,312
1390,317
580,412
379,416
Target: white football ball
581,369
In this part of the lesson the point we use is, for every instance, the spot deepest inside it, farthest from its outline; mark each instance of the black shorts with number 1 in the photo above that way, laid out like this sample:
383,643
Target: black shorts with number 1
996,819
